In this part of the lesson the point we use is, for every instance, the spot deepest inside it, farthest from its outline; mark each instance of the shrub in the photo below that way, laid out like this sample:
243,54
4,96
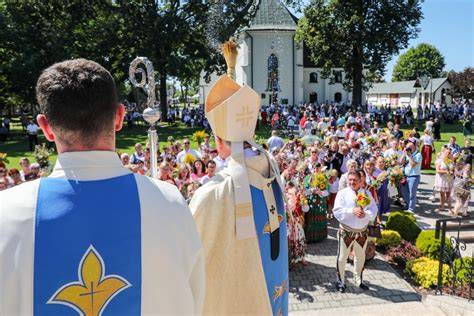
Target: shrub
390,238
424,271
429,245
405,224
463,270
403,253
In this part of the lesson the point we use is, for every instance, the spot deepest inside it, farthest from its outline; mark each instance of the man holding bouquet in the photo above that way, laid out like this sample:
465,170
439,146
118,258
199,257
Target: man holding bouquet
354,208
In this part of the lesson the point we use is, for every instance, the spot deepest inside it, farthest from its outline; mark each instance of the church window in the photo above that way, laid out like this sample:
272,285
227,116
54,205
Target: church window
272,66
338,76
313,77
337,97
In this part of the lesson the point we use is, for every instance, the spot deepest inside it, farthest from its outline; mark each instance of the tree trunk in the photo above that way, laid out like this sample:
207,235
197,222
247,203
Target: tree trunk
163,98
357,69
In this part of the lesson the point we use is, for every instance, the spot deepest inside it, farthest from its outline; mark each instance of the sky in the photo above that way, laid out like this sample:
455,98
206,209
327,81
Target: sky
449,26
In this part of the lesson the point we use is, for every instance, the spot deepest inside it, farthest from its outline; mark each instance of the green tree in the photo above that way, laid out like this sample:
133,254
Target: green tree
423,59
462,83
358,35
36,34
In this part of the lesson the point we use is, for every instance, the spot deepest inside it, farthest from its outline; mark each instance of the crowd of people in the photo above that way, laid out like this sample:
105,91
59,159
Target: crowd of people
315,161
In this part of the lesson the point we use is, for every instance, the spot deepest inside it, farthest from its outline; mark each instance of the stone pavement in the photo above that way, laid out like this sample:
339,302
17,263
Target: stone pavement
312,290
312,286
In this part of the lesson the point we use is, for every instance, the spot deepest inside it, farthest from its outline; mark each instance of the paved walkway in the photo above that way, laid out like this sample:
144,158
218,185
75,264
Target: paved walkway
312,286
312,290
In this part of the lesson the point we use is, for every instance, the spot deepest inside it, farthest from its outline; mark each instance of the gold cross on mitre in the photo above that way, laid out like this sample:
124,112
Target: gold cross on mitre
245,116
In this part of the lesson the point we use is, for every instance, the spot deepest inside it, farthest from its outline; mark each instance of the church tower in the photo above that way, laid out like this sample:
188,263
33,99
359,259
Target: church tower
268,57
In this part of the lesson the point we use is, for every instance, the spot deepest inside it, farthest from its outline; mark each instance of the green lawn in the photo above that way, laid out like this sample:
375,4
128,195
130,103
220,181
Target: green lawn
17,146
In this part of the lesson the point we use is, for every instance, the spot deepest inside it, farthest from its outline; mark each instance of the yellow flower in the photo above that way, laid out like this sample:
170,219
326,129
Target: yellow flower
199,136
189,159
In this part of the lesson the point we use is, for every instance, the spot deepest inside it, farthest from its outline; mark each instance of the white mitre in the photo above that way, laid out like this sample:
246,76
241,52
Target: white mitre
232,112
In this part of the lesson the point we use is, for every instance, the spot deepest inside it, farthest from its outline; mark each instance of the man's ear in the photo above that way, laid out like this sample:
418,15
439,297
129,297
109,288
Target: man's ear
119,115
43,123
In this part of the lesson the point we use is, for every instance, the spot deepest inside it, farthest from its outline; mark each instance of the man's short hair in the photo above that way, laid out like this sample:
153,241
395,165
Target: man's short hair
79,99
354,173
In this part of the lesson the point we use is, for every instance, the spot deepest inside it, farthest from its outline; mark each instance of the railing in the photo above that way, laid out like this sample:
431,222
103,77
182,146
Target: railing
460,276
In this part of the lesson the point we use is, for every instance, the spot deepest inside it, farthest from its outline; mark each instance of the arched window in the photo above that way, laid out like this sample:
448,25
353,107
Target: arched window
272,66
337,97
313,97
313,77
443,96
337,76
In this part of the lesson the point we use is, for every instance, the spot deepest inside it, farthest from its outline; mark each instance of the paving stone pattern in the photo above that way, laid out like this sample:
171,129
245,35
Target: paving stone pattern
312,286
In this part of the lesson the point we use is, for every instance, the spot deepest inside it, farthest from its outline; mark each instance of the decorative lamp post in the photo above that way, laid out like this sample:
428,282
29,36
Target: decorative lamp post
151,114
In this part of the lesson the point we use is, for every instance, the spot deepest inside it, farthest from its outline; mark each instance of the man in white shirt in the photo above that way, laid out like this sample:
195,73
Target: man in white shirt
353,223
187,150
32,131
392,150
275,141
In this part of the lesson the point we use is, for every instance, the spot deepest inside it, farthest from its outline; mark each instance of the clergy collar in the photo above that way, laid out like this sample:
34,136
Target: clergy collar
88,165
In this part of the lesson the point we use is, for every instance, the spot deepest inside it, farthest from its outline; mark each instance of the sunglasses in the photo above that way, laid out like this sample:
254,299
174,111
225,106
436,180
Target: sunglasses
186,143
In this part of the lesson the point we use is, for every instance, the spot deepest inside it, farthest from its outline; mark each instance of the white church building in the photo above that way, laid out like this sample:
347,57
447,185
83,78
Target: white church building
271,63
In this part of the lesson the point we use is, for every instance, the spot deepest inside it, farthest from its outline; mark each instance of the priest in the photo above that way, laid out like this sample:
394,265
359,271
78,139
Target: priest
240,212
94,238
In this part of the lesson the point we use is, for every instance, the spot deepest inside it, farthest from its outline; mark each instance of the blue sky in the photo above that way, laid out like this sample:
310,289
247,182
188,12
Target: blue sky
449,26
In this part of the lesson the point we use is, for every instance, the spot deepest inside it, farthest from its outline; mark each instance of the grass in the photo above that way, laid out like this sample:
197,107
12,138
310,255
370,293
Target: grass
17,145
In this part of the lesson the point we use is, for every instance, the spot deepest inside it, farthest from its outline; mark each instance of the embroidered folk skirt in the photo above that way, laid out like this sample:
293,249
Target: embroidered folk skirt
316,223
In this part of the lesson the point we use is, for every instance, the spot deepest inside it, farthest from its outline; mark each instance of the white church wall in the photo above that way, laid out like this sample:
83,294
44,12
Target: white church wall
310,87
242,68
299,76
282,48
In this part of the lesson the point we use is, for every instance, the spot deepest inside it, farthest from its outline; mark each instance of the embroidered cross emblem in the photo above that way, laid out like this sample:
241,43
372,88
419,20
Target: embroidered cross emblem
244,116
272,209
90,295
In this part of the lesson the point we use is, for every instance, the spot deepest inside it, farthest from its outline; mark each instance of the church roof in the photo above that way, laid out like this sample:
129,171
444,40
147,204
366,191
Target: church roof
405,86
273,15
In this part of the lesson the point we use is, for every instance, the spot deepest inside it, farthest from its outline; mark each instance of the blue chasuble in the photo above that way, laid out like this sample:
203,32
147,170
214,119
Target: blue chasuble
276,271
88,247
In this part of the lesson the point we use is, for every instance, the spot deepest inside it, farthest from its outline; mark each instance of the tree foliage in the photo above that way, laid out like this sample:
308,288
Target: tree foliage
462,83
175,35
421,60
358,35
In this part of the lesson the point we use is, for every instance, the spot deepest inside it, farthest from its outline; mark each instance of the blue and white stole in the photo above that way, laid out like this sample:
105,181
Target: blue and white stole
276,271
87,257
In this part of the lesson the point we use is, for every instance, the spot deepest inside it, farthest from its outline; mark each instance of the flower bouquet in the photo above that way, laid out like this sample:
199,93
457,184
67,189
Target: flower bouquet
377,183
396,176
304,203
331,175
320,181
3,158
199,136
391,161
189,159
42,154
362,199
371,141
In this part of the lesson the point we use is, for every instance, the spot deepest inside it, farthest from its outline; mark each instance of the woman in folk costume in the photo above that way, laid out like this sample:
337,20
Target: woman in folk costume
296,205
240,212
316,190
427,150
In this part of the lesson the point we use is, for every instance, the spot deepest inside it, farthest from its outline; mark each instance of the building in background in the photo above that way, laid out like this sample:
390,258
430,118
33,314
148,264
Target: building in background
271,63
411,92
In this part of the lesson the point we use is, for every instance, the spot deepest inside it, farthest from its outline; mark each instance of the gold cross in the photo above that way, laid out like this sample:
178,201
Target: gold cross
245,116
